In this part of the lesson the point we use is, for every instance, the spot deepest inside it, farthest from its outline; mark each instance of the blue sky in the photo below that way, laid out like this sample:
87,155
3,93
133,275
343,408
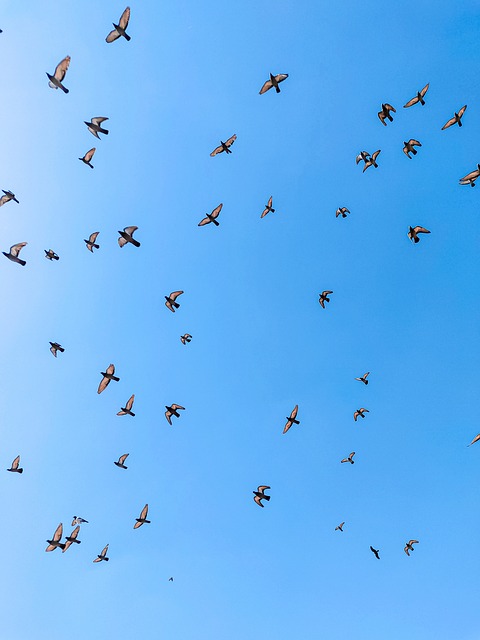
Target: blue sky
261,343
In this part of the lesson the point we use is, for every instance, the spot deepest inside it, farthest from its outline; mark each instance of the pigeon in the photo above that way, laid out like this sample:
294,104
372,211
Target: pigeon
95,128
126,410
72,538
13,254
457,118
268,208
91,241
54,347
211,217
324,298
170,579
121,461
224,146
340,527
363,155
468,179
55,543
385,113
59,75
413,231
360,412
8,195
103,555
291,420
476,439
15,467
142,519
350,458
260,495
78,520
173,411
127,236
274,81
186,338
88,156
375,552
107,376
342,211
364,378
120,28
51,255
372,161
170,300
418,98
409,147
409,546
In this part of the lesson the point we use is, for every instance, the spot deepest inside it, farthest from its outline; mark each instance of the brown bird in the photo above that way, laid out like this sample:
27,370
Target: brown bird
268,208
91,241
409,546
173,411
13,253
7,196
363,155
360,412
349,459
51,255
211,217
88,156
72,538
54,347
59,75
468,179
375,552
273,81
224,146
413,231
107,376
120,28
186,338
372,161
121,461
342,212
260,495
457,118
142,519
103,555
409,147
385,113
170,300
340,527
94,126
15,468
476,439
126,236
127,409
418,98
324,298
291,420
55,543
364,378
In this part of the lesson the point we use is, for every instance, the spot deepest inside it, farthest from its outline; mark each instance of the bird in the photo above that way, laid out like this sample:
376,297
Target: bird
385,113
54,347
418,98
476,439
170,579
8,195
121,461
57,78
170,300
51,255
186,338
260,495
94,126
126,410
372,161
375,552
107,376
413,231
102,555
364,378
211,217
88,156
471,177
360,412
350,458
363,155
55,543
13,253
342,211
291,420
224,146
78,520
173,411
340,527
91,241
324,298
409,546
127,236
409,147
268,208
457,118
72,538
142,519
273,81
120,28
15,468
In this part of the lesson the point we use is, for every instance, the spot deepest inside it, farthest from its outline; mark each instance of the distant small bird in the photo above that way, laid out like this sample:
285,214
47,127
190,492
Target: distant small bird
57,78
350,458
224,146
342,211
88,156
324,298
126,410
476,439
13,254
340,527
78,520
127,236
55,543
211,217
142,519
471,177
364,378
91,241
385,113
51,255
54,347
291,420
418,98
72,538
375,552
363,155
94,126
413,231
8,195
102,555
409,147
360,413
186,338
273,81
170,579
409,546
121,461
260,495
457,119
15,466
107,376
268,208
120,28
372,161
173,411
170,300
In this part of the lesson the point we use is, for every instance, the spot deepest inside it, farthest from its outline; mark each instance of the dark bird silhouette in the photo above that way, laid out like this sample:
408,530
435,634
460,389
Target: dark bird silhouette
8,195
51,255
260,495
142,519
13,254
170,300
340,527
127,409
88,156
409,147
78,520
121,461
224,146
54,347
102,555
120,28
170,579
15,466
91,241
95,128
375,552
364,378
72,538
384,114
186,338
55,543
268,208
59,75
349,459
173,411
409,546
413,231
471,177
342,211
360,413
476,439
107,376
273,81
418,98
211,217
127,236
291,420
457,118
324,298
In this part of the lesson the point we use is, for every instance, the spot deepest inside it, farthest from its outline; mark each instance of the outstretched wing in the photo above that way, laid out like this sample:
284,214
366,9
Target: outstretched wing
174,295
449,123
144,513
104,382
204,221
98,121
89,155
476,439
168,415
411,102
281,77
93,237
112,36
15,250
268,85
262,488
230,141
216,151
122,459
125,17
61,69
177,406
121,241
58,533
258,500
421,230
130,401
293,415
130,230
216,211
424,90
16,462
415,143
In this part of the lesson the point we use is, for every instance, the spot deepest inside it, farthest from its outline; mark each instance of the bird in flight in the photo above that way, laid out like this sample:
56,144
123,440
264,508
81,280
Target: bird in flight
107,376
211,217
15,466
471,177
142,519
372,161
413,231
55,543
170,300
54,347
88,156
340,527
384,114
72,538
360,412
324,298
342,211
364,378
51,255
8,195
78,520
186,338
409,546
476,439
291,420
94,126
418,98
350,458
170,579
273,81
375,552
173,411
409,147
224,146
102,555
57,78
121,461
268,208
457,118
91,241
260,495
13,254
127,409
120,28
127,236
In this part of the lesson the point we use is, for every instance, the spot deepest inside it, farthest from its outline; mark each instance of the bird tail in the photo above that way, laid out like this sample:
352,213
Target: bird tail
135,243
106,559
414,151
277,89
176,305
20,470
217,224
89,164
266,497
390,117
22,262
64,89
115,378
61,349
97,246
127,37
460,123
422,101
132,414
105,131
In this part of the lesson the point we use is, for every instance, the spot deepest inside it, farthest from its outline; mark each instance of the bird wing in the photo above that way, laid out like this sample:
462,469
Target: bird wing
125,17
355,415
112,36
376,154
352,454
104,382
58,533
204,221
177,406
54,351
411,102
122,459
130,402
365,375
74,534
268,85
281,77
476,439
413,542
98,121
382,117
449,123
50,548
389,107
168,415
363,410
4,200
405,548
89,155
130,230
93,237
121,242
287,426
293,415
270,201
168,304
344,460
104,551
406,151
216,211
326,293
264,212
174,295
322,303
258,500
414,143
111,369
473,175
230,141
421,230
262,488
16,462
15,250
424,90
61,69
216,151
462,111
144,513
137,525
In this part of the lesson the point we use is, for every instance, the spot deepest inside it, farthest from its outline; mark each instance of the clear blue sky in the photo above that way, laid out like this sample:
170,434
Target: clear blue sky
261,343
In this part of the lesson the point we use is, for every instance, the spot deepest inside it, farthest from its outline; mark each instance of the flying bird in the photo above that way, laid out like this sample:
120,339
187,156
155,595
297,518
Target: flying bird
51,255
57,78
372,161
413,231
409,546
120,28
385,113
88,156
186,338
173,411
363,155
476,439
102,555
8,195
170,300
342,211
260,495
127,236
107,376
418,98
91,241
268,208
13,254
409,147
211,217
291,420
78,520
364,378
170,579
142,519
324,298
340,527
224,146
15,468
121,461
95,128
360,412
375,552
54,347
350,458
127,409
55,543
471,177
457,118
72,538
273,81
